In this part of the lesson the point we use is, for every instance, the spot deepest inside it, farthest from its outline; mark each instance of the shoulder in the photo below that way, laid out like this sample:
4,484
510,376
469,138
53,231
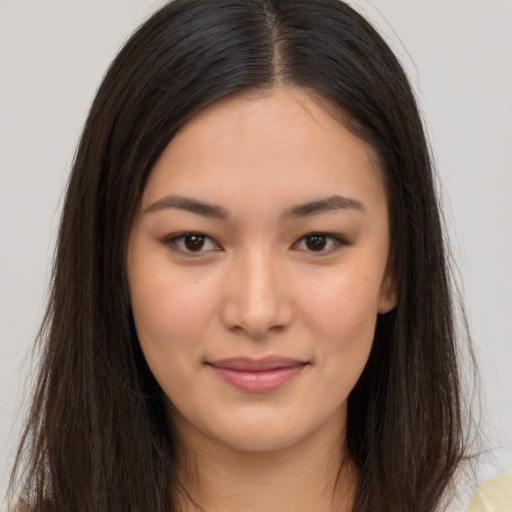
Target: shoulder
483,483
494,479
494,495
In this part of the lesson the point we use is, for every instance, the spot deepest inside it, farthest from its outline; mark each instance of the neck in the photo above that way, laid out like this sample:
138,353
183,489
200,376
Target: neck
314,476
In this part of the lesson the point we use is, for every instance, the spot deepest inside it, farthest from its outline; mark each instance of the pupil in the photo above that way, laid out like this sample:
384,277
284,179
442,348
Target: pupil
194,242
316,242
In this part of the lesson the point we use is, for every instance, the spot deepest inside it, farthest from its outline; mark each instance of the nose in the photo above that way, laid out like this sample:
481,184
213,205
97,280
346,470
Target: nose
256,297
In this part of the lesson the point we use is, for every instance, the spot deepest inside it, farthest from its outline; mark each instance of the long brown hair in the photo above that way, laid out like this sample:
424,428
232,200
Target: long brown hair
97,438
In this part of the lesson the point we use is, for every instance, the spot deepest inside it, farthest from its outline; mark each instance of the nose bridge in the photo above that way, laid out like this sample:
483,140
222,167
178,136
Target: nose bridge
256,295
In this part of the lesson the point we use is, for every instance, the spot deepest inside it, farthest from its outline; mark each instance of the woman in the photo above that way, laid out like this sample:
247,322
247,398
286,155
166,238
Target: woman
251,306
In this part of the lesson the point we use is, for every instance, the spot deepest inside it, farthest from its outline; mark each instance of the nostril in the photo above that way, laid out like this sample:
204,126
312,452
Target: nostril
256,300
256,319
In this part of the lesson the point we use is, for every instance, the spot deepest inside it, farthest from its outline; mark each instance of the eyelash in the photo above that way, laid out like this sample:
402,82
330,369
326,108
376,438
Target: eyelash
175,241
336,241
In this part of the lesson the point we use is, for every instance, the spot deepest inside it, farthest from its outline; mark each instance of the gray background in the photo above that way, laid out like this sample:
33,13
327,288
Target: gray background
459,57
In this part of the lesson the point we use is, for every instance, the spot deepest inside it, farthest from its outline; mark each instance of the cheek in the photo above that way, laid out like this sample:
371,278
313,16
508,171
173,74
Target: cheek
170,311
171,314
343,304
343,315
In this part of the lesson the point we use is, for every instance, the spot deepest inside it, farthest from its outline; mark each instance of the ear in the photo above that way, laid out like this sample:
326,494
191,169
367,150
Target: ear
388,292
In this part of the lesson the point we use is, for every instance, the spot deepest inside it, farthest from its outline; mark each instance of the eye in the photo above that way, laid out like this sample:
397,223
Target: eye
318,242
192,243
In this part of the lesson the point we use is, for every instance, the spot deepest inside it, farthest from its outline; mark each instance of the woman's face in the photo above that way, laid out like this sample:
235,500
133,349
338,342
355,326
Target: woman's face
257,268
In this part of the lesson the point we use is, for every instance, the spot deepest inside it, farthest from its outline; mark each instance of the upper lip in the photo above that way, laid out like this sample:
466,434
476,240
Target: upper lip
256,365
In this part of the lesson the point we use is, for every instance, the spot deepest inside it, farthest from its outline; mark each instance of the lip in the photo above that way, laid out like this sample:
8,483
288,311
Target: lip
257,375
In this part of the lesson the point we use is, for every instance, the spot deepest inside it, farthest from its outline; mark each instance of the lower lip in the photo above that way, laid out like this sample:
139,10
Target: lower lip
258,382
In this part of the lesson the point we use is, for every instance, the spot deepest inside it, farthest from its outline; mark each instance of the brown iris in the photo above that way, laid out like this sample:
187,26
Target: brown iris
194,242
316,242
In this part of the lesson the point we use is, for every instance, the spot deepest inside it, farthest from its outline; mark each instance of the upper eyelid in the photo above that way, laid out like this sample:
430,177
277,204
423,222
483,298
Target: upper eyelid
339,241
333,236
171,239
337,238
175,236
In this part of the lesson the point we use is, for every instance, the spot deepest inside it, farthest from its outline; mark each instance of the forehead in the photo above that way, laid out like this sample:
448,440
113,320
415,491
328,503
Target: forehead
279,147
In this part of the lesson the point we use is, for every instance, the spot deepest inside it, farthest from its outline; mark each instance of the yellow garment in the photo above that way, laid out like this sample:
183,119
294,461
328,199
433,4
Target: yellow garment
494,495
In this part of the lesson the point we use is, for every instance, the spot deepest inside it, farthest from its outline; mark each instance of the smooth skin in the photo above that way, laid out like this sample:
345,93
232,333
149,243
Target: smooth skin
262,231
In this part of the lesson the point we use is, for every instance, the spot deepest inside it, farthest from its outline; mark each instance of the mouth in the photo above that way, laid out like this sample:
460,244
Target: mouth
257,375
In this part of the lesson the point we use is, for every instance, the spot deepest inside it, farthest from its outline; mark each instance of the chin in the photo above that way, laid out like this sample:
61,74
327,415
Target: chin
261,440
265,430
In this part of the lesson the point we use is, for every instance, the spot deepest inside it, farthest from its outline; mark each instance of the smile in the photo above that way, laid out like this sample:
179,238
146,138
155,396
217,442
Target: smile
257,376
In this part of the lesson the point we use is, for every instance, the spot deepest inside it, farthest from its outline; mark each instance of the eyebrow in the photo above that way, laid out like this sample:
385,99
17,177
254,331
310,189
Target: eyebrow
319,206
189,205
325,205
